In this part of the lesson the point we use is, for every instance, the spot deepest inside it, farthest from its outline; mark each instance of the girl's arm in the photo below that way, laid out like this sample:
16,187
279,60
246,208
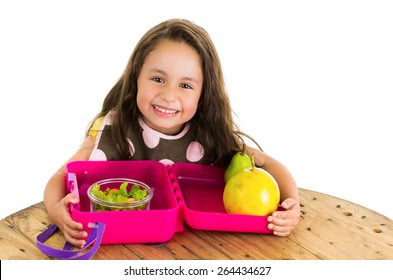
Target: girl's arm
57,200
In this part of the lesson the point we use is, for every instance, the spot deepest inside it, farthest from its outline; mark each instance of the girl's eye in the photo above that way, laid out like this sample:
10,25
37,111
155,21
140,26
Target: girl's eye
185,86
158,79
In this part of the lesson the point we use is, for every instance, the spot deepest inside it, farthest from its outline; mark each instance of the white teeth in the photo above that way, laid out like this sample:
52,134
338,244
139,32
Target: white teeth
166,111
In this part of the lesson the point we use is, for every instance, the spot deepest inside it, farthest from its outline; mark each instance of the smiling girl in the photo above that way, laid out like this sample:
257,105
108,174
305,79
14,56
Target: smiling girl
169,105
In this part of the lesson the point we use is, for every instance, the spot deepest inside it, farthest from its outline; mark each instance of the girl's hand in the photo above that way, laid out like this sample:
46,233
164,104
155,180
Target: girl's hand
73,231
284,222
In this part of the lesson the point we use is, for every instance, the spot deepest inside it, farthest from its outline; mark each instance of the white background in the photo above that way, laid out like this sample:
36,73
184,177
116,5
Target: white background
279,269
312,81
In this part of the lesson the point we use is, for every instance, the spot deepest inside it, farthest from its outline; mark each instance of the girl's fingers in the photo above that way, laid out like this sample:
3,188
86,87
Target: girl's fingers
74,235
289,203
74,241
279,230
69,198
283,222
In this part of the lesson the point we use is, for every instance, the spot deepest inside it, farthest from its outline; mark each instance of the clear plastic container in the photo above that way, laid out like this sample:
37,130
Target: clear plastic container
98,205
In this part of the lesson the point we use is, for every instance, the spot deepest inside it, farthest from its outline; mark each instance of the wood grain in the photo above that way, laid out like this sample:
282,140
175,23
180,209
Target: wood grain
330,228
334,228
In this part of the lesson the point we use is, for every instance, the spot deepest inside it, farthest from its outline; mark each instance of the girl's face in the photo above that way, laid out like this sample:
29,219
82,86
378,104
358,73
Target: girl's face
169,86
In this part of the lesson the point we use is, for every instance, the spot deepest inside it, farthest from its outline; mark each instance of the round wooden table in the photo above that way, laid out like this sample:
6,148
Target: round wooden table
330,229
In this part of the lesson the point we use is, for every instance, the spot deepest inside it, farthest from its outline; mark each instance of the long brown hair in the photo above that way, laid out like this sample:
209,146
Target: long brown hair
212,125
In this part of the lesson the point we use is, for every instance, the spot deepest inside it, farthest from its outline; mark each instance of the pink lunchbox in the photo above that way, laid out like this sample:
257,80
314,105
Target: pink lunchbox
183,193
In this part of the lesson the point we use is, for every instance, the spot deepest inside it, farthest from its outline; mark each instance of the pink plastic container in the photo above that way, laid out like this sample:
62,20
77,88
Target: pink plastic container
201,188
158,224
183,192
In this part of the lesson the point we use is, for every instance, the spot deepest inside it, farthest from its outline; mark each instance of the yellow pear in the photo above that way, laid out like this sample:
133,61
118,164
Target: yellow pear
251,191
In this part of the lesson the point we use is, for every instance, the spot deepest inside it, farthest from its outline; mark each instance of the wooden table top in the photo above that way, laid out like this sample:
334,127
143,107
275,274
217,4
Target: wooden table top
330,228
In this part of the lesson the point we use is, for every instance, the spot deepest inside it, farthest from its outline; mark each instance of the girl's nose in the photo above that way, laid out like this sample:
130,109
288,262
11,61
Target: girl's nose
169,93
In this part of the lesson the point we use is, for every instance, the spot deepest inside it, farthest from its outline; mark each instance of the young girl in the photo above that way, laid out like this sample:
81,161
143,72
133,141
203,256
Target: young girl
169,105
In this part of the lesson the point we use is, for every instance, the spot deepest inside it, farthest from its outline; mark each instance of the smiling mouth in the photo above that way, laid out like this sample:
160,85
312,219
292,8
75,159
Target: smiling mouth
164,110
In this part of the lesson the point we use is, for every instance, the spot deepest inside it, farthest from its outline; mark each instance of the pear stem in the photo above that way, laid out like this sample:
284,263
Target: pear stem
252,162
243,152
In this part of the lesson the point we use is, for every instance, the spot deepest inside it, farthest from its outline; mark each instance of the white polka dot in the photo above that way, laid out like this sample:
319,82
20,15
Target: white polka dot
166,162
151,139
97,155
194,152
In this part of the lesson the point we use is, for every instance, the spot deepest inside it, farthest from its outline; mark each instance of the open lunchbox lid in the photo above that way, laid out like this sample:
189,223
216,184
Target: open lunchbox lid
182,193
201,189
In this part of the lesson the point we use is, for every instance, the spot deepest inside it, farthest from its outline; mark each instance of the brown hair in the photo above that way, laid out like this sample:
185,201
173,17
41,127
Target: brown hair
212,125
